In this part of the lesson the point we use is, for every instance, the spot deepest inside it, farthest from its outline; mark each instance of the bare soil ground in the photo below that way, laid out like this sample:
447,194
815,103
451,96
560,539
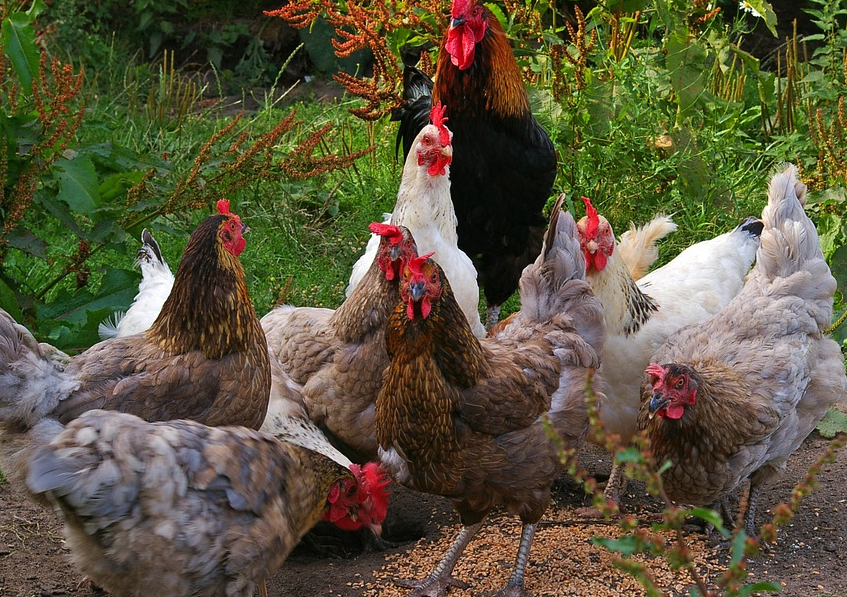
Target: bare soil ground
808,558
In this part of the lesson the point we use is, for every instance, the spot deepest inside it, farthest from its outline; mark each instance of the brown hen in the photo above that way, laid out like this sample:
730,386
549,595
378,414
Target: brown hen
336,358
205,357
464,418
730,399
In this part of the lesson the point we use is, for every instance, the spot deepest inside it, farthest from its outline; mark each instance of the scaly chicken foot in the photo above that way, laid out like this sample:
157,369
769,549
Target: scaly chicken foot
616,484
750,518
514,588
437,583
492,316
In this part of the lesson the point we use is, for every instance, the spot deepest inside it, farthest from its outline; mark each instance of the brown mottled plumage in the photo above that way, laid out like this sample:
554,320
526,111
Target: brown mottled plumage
337,357
731,398
205,357
178,508
464,418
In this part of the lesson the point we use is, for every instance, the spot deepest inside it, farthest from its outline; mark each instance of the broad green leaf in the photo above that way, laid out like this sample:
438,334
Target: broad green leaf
19,45
78,186
626,545
686,62
738,542
8,302
24,240
38,6
765,11
833,423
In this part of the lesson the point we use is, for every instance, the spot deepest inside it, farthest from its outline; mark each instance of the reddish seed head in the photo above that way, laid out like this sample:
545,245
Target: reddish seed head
436,115
593,219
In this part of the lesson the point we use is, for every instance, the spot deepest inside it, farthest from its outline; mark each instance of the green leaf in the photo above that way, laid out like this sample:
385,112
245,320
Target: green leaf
19,45
78,186
833,423
8,302
24,240
626,545
76,315
686,62
765,10
38,6
711,517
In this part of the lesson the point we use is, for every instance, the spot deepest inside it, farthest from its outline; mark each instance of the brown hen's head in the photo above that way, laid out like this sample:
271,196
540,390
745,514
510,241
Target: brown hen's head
396,247
674,389
434,149
421,286
232,231
468,24
352,506
596,238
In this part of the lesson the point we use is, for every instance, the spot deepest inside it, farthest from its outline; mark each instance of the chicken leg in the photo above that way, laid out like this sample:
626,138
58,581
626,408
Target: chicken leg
440,579
514,588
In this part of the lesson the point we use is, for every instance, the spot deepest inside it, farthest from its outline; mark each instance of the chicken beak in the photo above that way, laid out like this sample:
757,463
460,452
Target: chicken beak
245,229
457,22
417,290
376,528
447,151
657,403
592,246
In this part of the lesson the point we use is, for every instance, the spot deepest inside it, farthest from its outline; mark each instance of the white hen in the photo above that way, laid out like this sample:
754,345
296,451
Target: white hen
641,315
425,207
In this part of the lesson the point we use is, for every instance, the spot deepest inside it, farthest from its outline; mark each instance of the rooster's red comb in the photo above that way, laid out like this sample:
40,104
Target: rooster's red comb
392,233
655,370
593,218
459,8
415,264
436,115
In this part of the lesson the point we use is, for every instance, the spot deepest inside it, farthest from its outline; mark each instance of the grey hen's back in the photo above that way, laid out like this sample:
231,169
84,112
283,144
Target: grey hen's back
178,508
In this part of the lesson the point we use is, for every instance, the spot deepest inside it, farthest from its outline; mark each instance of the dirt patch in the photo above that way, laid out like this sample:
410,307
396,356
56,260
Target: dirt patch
807,558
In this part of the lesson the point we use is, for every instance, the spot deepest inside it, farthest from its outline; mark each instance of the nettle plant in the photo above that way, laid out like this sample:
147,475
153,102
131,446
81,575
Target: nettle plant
63,201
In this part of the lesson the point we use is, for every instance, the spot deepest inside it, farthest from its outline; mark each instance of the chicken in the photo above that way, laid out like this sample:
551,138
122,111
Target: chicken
464,418
155,287
731,398
504,163
641,315
204,358
181,509
637,246
286,416
424,206
336,358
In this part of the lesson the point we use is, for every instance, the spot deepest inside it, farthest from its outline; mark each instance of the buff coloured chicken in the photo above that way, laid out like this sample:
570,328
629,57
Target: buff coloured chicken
641,315
731,398
464,418
181,509
204,358
425,207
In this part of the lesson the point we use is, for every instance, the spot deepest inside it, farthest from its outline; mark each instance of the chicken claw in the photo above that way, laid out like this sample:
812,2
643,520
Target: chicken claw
435,585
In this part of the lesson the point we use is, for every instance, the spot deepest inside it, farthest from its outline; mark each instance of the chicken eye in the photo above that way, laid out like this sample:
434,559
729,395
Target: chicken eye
679,383
427,140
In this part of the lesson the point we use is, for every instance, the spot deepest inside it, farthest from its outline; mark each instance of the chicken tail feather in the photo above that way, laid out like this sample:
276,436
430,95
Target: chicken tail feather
637,246
789,260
